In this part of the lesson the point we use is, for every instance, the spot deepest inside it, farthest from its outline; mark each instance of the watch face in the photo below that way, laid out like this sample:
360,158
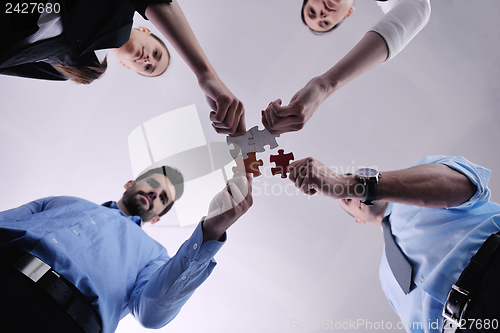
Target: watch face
367,172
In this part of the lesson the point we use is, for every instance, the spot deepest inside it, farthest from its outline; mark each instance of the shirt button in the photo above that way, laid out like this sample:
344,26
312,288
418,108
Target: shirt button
75,232
195,246
54,240
106,216
183,278
93,222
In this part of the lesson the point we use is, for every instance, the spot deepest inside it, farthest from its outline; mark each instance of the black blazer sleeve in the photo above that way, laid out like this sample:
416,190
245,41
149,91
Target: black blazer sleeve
38,70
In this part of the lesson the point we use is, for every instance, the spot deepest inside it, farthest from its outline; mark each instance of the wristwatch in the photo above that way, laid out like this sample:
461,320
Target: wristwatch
369,178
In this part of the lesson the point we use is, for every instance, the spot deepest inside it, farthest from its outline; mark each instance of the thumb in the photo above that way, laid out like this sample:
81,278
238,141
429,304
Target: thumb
211,102
291,109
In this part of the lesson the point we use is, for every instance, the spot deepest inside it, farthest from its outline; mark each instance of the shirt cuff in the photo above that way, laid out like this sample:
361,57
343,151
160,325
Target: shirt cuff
203,252
402,23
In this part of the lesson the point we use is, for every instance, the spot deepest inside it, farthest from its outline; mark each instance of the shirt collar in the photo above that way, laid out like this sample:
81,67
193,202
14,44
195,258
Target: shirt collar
388,209
113,205
101,54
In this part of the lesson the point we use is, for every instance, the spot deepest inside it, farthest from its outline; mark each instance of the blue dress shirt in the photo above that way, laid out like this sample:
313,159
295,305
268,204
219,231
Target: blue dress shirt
439,244
110,258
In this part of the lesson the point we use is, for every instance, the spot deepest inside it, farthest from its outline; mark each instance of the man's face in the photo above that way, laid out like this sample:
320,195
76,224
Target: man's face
323,15
148,197
363,213
143,53
355,208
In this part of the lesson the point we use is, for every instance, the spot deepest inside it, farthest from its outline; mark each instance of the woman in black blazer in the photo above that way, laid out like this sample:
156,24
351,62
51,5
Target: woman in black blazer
91,25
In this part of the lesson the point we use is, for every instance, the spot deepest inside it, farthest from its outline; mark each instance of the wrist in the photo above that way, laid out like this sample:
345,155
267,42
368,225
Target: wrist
209,232
368,178
205,73
328,83
353,188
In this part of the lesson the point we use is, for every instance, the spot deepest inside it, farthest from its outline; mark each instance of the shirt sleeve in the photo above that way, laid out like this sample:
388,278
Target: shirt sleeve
162,288
402,23
478,175
23,211
39,70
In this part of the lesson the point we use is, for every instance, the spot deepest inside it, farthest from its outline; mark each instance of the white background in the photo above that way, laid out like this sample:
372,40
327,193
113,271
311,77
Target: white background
291,257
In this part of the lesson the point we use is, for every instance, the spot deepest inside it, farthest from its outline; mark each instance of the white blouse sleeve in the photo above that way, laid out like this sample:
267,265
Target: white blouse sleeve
402,23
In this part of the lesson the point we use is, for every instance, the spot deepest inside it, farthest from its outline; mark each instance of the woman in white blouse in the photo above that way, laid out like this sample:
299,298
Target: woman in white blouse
402,21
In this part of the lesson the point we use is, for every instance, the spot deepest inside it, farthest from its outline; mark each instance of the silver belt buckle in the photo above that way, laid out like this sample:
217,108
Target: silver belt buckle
32,267
456,304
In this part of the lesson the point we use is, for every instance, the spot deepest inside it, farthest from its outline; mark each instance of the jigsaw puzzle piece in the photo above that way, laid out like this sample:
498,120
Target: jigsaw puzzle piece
282,161
252,165
240,165
241,143
262,138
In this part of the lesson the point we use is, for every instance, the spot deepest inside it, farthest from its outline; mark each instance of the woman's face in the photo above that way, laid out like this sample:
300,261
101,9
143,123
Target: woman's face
143,53
322,15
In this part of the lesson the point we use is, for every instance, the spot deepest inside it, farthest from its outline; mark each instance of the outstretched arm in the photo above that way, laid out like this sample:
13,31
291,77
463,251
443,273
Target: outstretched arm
229,115
162,288
388,36
24,211
368,53
429,185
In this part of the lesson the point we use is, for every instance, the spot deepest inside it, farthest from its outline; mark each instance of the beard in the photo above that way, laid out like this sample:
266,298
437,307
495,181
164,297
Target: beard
136,205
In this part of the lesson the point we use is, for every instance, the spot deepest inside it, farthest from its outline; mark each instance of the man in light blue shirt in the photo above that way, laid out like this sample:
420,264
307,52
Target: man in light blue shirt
103,251
440,215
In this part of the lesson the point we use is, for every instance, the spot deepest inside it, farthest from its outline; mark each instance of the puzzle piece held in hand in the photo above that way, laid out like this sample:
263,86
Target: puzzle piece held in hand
250,165
241,142
282,161
261,138
240,165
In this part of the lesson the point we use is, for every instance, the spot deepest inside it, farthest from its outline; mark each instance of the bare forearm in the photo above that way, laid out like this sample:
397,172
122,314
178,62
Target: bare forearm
173,25
370,52
429,185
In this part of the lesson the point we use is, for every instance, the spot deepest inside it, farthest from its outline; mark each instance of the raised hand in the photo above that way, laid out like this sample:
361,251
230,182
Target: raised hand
228,112
280,119
228,206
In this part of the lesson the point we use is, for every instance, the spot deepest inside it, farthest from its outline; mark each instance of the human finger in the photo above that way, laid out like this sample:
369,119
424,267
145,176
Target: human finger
236,192
238,115
296,167
223,105
242,127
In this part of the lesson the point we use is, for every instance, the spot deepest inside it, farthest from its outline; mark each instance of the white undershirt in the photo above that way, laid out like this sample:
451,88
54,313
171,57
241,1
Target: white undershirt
387,5
403,21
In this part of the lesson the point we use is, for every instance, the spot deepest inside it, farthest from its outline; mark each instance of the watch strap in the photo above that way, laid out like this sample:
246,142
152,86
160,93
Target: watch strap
370,190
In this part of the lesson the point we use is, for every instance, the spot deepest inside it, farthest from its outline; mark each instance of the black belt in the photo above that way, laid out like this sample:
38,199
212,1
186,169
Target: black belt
462,291
57,287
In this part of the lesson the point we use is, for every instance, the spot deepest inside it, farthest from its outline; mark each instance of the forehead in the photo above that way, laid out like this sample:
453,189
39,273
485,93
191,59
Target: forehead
350,209
158,180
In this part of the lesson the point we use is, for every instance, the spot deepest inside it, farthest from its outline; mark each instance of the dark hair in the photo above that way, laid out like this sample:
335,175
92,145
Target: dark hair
312,30
87,74
83,74
175,177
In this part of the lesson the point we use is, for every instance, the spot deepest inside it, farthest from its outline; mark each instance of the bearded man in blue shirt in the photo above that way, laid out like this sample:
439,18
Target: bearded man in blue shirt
442,242
69,265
